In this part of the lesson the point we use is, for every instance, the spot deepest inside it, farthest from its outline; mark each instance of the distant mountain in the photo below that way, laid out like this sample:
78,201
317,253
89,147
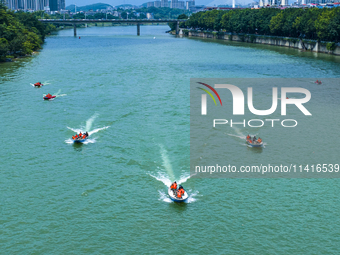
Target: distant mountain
124,6
88,7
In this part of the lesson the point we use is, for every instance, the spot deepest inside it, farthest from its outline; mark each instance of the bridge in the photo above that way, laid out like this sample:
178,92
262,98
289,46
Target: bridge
74,22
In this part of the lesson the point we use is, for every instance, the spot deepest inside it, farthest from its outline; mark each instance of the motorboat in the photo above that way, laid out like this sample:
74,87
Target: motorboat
49,97
173,196
255,143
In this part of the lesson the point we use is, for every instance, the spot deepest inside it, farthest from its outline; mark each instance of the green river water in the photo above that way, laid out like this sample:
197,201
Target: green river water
109,195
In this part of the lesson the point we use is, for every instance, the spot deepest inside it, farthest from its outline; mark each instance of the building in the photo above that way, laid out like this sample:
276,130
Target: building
150,4
149,16
157,4
36,5
164,3
189,4
175,4
57,5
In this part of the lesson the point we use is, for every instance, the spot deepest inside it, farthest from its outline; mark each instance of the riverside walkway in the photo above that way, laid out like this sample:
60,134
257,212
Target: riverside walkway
138,22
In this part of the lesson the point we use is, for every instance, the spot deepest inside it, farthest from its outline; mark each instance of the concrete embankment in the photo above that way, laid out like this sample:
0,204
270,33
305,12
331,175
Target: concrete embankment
310,45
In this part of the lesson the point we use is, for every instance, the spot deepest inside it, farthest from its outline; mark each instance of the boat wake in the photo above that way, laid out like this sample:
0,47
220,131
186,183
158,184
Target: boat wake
60,95
168,177
87,128
57,94
166,162
44,83
243,137
162,177
90,121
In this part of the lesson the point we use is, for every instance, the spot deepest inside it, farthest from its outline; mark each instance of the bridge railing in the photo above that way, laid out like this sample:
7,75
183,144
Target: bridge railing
74,22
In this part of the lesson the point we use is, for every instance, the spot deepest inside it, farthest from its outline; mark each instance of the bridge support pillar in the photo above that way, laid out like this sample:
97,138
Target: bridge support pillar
138,29
75,29
177,28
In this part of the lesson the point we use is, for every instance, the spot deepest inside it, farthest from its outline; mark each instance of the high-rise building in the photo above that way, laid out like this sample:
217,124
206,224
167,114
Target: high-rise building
54,5
150,4
177,4
164,3
62,5
35,5
57,5
157,4
173,3
190,4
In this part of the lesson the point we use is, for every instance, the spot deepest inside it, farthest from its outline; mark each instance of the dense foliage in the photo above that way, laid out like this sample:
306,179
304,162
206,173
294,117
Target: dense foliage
20,33
181,24
312,23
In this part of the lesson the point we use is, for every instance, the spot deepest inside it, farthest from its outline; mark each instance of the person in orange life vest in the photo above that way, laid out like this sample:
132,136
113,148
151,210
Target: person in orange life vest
180,189
248,137
84,136
173,185
80,134
76,136
179,194
73,137
259,140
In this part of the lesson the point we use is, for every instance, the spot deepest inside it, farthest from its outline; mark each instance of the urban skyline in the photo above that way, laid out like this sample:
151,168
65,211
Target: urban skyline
48,5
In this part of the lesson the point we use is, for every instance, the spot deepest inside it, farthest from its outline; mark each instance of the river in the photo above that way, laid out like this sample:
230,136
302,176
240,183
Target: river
108,196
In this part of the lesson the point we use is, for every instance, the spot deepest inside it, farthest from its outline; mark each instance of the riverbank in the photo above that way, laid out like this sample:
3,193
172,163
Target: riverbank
21,35
296,43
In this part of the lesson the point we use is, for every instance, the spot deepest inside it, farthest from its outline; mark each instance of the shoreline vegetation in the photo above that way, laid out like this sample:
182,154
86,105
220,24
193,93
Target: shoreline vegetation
296,43
312,29
21,33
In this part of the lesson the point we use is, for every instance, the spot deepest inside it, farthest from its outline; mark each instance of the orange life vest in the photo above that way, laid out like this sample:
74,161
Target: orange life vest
173,186
179,194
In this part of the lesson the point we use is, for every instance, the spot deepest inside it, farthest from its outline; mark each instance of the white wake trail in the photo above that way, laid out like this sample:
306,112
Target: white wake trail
162,178
166,162
90,121
97,130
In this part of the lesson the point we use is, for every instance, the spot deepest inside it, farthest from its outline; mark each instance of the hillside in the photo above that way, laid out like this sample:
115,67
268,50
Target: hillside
88,7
